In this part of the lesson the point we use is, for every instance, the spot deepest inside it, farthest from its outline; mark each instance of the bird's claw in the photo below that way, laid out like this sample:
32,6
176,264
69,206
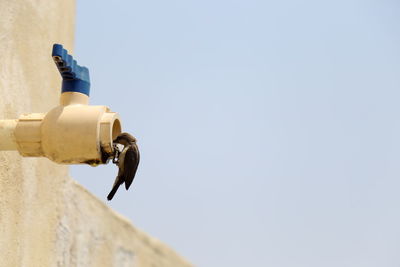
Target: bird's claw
116,154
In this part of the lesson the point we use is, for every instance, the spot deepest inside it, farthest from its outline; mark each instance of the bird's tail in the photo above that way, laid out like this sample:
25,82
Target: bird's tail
113,191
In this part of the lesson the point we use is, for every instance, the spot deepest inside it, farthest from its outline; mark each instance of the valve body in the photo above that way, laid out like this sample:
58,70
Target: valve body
71,133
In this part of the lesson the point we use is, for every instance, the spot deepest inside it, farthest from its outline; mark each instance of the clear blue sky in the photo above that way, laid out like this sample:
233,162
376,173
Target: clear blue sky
269,130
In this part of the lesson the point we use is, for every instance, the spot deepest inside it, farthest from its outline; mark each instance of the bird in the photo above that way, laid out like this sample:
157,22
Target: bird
127,161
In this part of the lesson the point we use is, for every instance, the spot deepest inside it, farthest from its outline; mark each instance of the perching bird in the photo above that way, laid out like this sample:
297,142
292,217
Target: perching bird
127,161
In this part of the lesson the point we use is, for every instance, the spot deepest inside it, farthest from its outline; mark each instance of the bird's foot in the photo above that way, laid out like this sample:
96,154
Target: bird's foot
116,154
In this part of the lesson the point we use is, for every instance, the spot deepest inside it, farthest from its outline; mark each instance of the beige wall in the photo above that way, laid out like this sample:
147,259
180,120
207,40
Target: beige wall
46,219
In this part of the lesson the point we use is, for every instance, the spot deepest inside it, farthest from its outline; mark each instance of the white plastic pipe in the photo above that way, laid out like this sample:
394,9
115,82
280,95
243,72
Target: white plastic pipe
71,133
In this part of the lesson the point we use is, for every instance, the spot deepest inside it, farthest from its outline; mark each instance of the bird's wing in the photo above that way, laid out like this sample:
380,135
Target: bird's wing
120,179
132,158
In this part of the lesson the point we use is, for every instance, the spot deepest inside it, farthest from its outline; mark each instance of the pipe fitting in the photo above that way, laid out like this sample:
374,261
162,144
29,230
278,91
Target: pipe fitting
71,133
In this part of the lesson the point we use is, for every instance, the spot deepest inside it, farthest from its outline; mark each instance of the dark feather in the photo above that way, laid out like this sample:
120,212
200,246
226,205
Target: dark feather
120,179
128,161
118,182
132,158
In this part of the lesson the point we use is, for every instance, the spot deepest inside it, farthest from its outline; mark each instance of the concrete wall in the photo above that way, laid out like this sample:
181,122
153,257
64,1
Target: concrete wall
46,219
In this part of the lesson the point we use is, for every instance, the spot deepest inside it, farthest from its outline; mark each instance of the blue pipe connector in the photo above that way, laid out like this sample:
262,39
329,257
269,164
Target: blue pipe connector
75,78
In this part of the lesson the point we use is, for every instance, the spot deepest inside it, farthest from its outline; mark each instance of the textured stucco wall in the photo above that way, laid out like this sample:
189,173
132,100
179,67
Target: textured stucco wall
46,219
